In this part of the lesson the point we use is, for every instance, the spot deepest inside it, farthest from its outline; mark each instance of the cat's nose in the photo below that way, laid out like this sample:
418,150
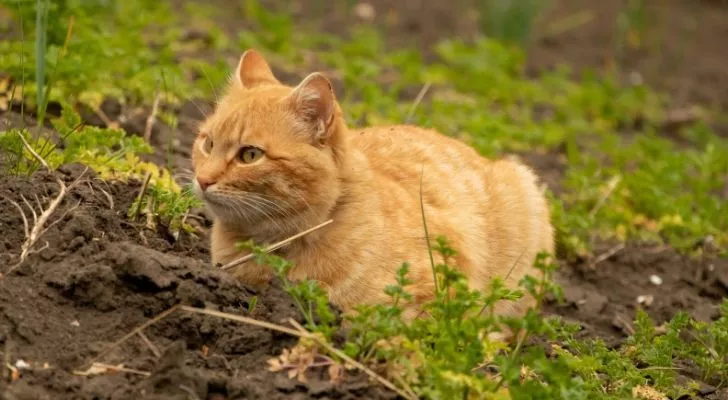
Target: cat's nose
204,182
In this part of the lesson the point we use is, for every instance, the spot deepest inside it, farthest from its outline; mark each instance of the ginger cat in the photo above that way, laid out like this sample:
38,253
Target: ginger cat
272,161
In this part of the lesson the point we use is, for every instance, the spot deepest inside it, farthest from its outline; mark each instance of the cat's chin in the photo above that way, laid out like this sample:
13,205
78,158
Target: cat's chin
224,214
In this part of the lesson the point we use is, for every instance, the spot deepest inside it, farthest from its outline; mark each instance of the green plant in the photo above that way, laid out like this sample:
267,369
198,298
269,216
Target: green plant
631,26
41,27
101,35
308,296
510,20
444,354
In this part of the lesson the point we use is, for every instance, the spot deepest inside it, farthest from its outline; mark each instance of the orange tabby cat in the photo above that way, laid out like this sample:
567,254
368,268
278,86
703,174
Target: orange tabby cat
273,161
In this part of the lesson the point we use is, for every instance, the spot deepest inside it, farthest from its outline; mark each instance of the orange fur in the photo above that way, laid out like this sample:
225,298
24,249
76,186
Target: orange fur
369,182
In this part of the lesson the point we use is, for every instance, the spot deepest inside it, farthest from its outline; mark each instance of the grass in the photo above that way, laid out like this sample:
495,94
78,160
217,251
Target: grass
623,180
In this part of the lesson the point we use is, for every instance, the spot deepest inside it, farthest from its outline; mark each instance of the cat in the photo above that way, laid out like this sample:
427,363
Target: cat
273,160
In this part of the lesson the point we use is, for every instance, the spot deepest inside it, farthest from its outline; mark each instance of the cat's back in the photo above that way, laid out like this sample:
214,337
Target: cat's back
492,212
408,153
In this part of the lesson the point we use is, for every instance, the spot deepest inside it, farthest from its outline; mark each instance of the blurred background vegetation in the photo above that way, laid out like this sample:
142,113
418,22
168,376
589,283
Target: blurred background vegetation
617,104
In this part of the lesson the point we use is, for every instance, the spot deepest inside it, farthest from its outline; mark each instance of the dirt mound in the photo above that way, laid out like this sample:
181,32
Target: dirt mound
101,275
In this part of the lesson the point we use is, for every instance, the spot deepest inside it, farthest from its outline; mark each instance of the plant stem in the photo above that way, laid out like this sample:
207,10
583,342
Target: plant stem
427,234
41,25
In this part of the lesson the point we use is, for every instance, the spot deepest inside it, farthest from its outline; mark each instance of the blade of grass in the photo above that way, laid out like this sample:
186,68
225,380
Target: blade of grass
41,29
427,233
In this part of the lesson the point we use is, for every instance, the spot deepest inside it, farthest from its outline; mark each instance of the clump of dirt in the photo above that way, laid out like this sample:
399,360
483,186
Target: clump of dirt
97,275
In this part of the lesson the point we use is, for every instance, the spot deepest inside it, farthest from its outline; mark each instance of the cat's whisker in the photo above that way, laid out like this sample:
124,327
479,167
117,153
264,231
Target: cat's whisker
237,208
262,211
203,113
300,196
266,205
183,178
283,211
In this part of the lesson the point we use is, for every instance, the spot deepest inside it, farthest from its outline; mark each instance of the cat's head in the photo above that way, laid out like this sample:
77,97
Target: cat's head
268,157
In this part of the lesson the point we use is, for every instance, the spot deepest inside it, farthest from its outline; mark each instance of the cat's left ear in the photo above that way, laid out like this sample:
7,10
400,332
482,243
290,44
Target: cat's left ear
253,70
313,101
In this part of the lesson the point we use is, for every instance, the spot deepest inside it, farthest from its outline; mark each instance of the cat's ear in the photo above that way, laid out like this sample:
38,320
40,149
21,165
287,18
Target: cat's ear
314,103
253,70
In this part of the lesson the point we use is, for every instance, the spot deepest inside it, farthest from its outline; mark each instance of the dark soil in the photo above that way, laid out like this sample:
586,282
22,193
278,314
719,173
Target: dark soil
603,296
99,275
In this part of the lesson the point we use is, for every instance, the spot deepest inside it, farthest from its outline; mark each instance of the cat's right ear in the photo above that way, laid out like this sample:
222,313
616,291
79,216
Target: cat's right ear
253,70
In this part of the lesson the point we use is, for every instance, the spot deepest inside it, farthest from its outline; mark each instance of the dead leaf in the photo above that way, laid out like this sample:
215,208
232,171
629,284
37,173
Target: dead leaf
336,373
103,369
274,365
97,369
14,373
647,393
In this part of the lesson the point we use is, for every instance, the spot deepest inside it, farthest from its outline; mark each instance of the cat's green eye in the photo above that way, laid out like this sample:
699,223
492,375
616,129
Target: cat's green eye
249,154
207,145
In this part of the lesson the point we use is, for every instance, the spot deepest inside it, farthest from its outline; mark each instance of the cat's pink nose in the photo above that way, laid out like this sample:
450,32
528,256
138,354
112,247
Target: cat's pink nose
204,182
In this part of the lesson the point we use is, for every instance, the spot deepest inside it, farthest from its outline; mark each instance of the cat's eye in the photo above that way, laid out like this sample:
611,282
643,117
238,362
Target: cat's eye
249,154
207,145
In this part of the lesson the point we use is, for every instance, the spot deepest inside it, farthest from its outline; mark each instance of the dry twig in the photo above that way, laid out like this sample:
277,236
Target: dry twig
101,368
39,221
275,246
614,250
149,344
134,332
152,119
298,332
418,100
140,196
611,185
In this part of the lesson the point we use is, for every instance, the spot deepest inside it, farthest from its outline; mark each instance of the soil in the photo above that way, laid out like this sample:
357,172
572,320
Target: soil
98,275
603,296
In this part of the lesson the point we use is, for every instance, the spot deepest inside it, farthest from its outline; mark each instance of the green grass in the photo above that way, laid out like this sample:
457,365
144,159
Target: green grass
510,20
449,354
623,180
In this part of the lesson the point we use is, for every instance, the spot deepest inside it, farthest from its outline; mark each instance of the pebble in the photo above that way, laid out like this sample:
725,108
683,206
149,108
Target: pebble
365,11
21,364
656,280
646,300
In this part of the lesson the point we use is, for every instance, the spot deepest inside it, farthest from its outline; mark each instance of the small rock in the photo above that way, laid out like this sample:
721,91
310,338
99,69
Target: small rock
635,78
646,300
21,364
75,323
655,280
365,11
